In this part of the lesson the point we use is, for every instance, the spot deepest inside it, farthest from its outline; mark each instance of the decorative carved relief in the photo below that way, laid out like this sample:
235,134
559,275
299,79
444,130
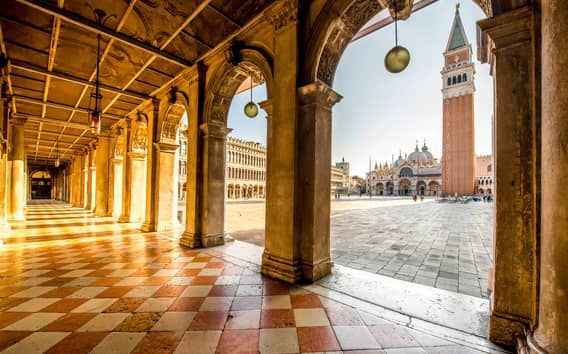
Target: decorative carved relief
282,15
344,28
140,137
485,6
219,108
168,133
119,147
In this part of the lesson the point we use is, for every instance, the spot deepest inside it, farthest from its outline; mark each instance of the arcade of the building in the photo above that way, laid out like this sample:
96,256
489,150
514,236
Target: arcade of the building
158,62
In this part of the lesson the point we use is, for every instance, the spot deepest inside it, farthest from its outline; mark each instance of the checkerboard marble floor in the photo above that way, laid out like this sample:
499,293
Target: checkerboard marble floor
102,287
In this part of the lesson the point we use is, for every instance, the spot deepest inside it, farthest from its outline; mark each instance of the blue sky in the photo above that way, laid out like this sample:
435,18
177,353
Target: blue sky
382,112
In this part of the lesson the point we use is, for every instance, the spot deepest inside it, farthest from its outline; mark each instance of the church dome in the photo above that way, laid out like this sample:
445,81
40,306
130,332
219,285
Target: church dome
427,153
417,155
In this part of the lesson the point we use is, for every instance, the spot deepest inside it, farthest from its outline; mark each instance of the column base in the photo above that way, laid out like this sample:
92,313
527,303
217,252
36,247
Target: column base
190,239
196,240
280,268
146,227
17,218
124,219
313,272
504,330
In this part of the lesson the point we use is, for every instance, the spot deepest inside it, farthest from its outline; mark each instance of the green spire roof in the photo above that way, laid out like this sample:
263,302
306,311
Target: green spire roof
457,36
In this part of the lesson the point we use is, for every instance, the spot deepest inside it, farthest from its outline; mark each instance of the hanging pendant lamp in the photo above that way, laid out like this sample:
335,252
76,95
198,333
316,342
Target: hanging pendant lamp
251,108
398,57
57,162
95,117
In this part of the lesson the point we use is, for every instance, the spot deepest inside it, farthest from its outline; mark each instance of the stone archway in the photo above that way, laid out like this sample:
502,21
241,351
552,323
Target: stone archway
507,40
227,75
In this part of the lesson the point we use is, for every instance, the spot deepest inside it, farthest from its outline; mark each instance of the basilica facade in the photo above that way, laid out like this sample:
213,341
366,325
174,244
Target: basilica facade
418,173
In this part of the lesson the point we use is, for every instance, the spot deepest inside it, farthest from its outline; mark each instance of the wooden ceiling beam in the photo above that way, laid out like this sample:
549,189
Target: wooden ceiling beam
52,121
71,17
50,61
26,99
102,58
76,80
202,6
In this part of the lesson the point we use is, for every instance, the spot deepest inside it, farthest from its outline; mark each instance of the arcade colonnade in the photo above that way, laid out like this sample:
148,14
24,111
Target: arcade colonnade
129,171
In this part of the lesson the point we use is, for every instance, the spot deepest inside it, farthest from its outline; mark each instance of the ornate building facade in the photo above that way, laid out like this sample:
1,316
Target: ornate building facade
418,173
458,155
484,175
245,169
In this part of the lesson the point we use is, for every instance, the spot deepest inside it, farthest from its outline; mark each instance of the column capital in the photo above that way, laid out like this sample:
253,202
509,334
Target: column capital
136,155
267,107
504,30
318,93
166,147
282,14
215,130
18,120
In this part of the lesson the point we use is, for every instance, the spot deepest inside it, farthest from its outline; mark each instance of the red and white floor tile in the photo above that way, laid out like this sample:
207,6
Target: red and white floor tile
71,283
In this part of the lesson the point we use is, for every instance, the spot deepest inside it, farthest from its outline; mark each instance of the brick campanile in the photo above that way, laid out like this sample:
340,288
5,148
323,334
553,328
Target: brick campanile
458,148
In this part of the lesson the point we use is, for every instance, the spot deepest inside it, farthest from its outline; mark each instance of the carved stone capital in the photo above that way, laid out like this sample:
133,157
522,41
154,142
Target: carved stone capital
283,14
18,120
503,31
267,107
166,147
318,93
135,155
215,130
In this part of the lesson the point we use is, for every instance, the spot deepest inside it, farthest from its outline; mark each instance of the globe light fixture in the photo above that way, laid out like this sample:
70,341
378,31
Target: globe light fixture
251,108
398,57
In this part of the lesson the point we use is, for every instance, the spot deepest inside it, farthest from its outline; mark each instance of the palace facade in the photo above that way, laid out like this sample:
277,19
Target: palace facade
245,169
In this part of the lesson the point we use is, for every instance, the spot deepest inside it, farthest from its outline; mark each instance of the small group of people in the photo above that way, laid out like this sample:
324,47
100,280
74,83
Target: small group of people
415,198
487,198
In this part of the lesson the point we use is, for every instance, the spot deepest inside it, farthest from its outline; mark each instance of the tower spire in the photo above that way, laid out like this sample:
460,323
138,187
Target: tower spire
458,37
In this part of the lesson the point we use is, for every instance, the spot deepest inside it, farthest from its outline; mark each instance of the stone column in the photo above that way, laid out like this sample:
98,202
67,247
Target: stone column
150,218
116,186
509,46
137,186
552,331
211,227
18,183
102,181
316,101
191,236
281,258
4,191
90,170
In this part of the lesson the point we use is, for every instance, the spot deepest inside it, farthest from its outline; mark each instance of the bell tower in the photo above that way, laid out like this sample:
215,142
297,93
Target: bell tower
458,148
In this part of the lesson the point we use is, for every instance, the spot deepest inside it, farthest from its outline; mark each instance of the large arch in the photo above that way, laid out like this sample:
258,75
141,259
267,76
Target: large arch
340,20
506,41
207,226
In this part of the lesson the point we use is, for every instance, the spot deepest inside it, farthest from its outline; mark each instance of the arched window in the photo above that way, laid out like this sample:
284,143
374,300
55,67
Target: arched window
464,76
453,80
406,172
488,168
459,79
449,81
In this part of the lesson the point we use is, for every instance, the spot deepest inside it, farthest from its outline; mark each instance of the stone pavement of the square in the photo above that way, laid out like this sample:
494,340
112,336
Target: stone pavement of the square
447,246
